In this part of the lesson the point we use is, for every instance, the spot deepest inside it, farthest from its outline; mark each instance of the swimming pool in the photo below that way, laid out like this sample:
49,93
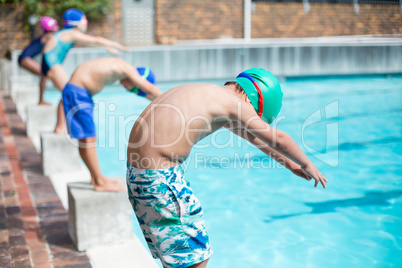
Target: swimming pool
260,215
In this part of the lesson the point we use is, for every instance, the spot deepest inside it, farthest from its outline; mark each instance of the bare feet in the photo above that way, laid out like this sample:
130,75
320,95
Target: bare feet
109,187
106,184
113,180
44,103
60,130
107,180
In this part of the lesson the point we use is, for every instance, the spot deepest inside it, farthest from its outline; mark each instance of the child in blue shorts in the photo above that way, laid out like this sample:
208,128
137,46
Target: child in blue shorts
170,215
87,80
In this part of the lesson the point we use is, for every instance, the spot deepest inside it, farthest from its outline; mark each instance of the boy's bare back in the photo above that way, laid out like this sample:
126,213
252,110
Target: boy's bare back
167,130
95,74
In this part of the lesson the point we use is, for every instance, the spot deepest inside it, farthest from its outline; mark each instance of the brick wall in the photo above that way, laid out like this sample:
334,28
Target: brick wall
194,19
12,33
13,36
110,26
210,19
290,20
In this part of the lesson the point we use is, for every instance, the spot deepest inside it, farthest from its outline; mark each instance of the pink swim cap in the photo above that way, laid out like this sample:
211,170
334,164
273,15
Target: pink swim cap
48,23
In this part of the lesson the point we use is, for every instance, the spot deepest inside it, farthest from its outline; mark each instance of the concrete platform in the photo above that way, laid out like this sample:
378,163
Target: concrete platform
127,254
61,180
97,218
24,97
5,73
20,81
40,118
60,154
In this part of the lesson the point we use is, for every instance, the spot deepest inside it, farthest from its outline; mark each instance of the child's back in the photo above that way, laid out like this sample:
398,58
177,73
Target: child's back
178,119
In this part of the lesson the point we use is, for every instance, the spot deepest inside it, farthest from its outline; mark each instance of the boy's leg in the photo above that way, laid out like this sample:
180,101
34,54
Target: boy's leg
31,65
42,87
60,127
35,68
78,110
58,76
199,265
88,153
59,79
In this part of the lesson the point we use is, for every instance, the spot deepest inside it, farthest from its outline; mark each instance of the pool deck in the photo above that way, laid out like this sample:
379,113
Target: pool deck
33,221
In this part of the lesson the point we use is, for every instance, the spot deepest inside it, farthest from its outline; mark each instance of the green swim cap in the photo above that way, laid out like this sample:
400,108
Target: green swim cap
264,92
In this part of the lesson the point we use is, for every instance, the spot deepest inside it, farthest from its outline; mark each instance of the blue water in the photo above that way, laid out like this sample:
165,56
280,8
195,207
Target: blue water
261,215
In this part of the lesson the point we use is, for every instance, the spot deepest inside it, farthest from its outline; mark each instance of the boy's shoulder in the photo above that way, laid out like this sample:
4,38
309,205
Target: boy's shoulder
72,32
204,94
197,89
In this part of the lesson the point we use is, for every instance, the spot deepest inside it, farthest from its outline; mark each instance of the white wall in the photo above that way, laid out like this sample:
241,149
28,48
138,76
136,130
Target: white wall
283,57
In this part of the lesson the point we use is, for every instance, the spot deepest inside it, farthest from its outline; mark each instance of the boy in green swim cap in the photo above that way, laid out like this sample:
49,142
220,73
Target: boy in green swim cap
170,215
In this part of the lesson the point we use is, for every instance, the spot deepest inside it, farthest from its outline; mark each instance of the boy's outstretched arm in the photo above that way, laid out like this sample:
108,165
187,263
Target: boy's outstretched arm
135,79
281,159
112,46
277,140
308,172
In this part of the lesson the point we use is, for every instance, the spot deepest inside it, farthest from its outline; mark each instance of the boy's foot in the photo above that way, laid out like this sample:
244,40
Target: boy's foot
106,184
109,187
44,103
60,130
107,180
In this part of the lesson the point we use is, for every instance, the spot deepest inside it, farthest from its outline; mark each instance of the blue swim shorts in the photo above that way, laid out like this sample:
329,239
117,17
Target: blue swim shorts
78,107
170,216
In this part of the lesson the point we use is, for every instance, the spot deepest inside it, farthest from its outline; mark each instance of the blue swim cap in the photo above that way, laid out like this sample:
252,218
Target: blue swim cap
147,74
72,17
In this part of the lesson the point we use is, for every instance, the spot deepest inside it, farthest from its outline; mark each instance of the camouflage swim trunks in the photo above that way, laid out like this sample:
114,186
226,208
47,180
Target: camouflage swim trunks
170,216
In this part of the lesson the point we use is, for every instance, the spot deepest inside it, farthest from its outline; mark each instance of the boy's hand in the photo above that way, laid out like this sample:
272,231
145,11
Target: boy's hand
113,50
311,172
127,84
299,172
122,48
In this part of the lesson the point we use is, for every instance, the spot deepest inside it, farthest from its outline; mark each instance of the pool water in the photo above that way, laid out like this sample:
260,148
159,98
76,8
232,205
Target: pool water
261,215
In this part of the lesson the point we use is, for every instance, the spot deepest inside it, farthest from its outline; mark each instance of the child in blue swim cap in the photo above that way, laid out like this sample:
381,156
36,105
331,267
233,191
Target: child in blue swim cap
87,80
170,215
72,18
56,49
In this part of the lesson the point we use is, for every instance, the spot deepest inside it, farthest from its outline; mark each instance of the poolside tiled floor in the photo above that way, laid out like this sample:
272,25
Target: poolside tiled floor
33,221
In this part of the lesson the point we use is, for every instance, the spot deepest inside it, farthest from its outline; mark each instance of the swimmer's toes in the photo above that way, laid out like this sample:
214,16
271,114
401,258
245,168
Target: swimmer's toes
114,180
60,131
110,187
